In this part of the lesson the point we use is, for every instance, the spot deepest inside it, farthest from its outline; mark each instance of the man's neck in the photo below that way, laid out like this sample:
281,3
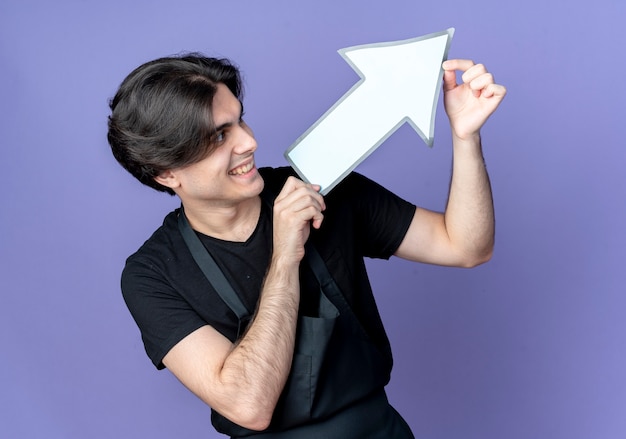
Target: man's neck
229,223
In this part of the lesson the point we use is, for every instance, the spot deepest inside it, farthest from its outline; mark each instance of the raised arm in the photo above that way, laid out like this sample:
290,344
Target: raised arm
243,381
464,234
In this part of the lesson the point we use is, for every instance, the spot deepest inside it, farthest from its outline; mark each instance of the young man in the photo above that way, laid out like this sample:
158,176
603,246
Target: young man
278,331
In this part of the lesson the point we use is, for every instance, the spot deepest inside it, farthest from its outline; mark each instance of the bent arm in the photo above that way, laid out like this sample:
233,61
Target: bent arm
243,381
464,234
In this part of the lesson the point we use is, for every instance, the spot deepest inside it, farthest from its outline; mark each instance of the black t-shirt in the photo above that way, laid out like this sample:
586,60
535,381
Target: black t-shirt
169,297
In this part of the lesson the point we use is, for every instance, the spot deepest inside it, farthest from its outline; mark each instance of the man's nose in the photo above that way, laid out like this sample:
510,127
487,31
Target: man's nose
245,141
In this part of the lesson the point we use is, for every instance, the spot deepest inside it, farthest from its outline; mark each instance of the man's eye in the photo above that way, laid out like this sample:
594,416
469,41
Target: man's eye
219,137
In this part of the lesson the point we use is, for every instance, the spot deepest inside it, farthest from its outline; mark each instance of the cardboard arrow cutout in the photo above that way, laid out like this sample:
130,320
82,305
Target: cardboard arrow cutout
400,82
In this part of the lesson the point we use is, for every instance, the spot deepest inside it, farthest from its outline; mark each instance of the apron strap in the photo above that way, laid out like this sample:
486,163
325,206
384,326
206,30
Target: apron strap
213,273
328,286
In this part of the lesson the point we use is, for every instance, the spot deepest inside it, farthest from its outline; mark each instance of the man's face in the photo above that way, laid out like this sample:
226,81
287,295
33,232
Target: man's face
228,175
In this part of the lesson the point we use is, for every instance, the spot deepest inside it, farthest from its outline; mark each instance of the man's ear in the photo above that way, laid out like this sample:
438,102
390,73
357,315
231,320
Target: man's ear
167,179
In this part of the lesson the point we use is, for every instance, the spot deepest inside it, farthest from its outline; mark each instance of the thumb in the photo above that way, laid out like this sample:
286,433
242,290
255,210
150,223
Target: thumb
449,80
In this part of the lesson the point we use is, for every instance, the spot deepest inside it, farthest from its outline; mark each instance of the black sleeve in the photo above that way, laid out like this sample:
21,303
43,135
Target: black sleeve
381,218
162,315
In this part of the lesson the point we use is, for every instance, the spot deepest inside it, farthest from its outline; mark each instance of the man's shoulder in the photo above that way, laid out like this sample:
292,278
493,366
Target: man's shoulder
274,178
160,246
279,174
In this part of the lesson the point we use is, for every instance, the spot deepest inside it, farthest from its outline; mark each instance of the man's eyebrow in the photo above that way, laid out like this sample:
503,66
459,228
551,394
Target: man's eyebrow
230,124
223,126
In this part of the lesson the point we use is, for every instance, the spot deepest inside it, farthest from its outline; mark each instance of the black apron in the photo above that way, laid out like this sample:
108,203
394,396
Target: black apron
335,388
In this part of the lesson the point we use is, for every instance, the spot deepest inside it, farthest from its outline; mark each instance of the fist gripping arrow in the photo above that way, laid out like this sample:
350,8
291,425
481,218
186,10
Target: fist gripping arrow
400,82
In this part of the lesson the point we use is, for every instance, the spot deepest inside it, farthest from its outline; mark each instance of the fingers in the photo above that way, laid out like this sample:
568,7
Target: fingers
301,193
458,64
476,76
493,91
297,208
469,69
299,202
478,79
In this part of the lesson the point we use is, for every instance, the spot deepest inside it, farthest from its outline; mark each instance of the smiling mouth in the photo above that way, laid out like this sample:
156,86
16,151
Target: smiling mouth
242,169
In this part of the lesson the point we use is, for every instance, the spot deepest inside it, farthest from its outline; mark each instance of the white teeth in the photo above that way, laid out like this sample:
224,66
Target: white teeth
242,169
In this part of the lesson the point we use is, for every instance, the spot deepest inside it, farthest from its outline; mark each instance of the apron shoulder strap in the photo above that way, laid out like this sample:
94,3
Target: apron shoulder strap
213,273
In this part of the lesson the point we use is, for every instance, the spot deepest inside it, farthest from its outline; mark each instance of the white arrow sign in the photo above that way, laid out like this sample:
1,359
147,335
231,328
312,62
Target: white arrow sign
400,82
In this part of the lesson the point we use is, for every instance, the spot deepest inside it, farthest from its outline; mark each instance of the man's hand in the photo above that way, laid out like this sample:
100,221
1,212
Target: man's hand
298,207
470,103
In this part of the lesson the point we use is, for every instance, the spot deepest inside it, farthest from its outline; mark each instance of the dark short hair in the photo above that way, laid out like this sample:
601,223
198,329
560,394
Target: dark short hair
161,115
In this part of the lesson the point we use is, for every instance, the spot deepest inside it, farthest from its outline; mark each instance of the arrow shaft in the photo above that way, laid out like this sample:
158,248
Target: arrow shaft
341,138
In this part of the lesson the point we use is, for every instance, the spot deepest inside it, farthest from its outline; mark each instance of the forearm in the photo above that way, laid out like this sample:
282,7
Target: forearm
469,215
256,370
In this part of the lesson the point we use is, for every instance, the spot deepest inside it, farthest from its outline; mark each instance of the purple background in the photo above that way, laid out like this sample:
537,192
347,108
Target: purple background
531,345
